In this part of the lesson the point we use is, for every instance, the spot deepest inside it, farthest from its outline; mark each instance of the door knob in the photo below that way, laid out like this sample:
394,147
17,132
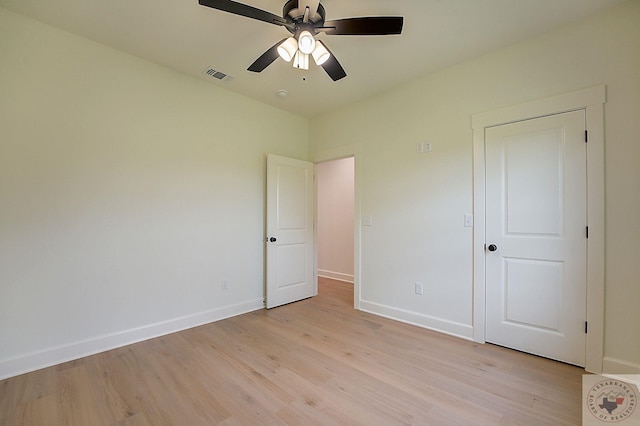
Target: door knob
273,239
492,247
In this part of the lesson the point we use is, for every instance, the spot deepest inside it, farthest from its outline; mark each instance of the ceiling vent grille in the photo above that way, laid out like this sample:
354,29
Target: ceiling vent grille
218,75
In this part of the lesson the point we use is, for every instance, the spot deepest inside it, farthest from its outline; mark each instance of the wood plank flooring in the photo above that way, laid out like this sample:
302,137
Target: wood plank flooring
315,362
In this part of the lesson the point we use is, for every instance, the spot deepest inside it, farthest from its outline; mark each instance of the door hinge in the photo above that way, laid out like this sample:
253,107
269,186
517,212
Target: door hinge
587,233
586,136
586,327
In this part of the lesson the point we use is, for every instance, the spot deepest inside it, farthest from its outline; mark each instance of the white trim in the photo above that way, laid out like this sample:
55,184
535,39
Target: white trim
339,276
337,154
68,352
591,100
440,325
579,99
618,366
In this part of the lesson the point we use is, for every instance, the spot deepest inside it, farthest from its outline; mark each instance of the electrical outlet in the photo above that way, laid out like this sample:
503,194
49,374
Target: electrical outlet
224,285
419,287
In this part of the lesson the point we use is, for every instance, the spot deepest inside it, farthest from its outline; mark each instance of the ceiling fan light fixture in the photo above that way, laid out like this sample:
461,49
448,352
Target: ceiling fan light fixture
305,20
306,42
288,49
301,60
320,54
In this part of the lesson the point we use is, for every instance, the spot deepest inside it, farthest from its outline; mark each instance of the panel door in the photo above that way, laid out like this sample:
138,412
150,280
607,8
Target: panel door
536,236
290,215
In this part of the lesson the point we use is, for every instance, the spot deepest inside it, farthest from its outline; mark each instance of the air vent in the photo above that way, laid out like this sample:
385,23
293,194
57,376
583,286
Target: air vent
218,75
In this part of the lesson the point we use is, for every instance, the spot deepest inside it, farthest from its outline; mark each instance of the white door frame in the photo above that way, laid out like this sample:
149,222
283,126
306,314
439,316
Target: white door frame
338,154
592,101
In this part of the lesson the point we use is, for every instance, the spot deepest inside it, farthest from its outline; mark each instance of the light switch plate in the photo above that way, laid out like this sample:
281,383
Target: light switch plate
468,220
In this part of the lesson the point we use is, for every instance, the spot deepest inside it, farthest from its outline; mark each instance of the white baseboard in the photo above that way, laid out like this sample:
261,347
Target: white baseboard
452,328
59,354
335,275
618,366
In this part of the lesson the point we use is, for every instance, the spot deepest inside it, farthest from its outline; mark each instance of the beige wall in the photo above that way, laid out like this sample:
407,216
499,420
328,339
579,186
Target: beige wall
128,192
417,201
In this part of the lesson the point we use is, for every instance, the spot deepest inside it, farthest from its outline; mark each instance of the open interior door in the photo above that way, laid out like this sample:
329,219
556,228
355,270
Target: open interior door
290,248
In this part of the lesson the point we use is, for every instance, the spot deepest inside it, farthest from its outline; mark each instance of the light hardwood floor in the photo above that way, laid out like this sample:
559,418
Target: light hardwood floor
315,362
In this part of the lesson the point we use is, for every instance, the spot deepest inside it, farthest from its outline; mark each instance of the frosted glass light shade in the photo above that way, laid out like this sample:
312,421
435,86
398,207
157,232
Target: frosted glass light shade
301,60
320,53
288,49
306,42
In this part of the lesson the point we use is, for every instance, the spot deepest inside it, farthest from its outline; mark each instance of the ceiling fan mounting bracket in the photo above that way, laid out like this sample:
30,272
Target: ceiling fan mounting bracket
295,17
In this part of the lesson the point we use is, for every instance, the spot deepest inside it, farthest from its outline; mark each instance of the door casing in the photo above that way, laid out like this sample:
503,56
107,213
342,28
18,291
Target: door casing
592,101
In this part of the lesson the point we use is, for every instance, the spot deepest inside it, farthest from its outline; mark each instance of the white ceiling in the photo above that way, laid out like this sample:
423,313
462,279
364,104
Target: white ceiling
187,37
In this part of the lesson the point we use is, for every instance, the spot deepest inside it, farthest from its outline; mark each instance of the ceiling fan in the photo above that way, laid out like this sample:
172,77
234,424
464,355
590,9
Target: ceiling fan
304,19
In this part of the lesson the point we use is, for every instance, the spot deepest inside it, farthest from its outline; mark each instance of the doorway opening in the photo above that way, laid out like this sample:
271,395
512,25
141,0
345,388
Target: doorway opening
335,220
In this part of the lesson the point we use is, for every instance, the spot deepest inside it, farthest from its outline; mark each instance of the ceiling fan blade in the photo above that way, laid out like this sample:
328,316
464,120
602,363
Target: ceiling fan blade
332,66
266,58
244,10
371,25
